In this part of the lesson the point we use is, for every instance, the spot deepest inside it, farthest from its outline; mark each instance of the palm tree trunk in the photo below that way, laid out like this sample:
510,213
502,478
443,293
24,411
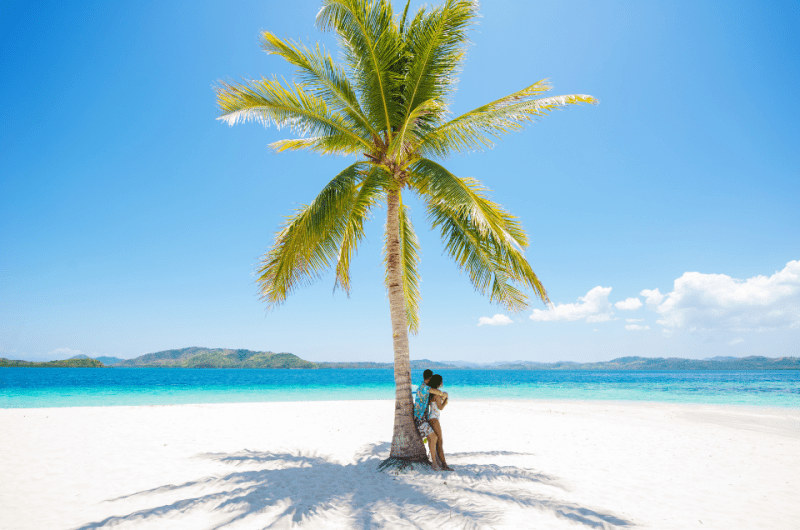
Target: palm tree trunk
406,441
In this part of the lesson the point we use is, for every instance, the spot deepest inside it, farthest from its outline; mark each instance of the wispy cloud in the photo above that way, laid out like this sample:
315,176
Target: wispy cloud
594,307
636,327
497,320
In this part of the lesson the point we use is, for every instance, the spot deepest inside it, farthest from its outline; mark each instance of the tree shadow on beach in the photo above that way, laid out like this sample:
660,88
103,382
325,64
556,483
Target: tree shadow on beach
312,491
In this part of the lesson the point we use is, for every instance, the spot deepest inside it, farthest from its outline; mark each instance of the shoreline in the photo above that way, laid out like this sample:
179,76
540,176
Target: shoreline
756,407
312,464
737,407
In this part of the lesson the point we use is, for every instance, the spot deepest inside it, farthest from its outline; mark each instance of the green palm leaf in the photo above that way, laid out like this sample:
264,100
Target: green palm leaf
435,45
324,145
310,239
318,70
268,102
437,184
369,193
479,128
372,43
485,240
408,135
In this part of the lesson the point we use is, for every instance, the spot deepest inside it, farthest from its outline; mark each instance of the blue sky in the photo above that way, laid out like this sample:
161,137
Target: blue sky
131,221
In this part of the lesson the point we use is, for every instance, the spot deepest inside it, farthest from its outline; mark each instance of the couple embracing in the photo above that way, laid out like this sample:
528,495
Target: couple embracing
428,404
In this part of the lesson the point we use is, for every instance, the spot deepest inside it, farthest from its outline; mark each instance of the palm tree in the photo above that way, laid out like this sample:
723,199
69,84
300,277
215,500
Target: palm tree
387,106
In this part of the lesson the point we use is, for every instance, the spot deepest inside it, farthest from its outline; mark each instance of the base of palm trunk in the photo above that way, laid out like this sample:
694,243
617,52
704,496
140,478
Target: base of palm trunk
402,464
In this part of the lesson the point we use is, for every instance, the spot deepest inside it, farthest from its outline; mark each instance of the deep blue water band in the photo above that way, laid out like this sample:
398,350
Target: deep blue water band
80,387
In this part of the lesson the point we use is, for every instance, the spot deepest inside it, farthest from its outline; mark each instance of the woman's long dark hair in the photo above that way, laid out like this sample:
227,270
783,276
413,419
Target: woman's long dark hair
435,381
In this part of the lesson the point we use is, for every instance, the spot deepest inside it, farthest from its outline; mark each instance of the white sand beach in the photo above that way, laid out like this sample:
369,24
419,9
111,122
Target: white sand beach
519,464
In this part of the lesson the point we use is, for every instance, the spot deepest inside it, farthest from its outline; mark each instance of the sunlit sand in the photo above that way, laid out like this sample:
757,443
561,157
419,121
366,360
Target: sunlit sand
520,464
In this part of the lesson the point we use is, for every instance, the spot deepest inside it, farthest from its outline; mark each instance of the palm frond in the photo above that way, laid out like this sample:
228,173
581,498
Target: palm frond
318,70
409,263
325,145
403,18
270,103
435,182
310,239
477,255
435,45
372,44
370,192
484,240
479,128
409,133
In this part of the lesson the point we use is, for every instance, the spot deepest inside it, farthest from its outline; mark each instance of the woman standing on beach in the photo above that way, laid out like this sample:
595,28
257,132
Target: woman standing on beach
437,403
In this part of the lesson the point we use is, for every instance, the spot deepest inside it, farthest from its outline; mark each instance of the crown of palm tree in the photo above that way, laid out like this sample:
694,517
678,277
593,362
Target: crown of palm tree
388,105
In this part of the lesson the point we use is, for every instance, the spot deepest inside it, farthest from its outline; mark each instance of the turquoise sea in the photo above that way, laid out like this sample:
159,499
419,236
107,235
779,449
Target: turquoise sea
86,387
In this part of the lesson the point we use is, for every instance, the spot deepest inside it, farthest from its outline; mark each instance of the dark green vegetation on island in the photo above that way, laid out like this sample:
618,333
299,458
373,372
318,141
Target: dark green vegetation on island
66,363
216,358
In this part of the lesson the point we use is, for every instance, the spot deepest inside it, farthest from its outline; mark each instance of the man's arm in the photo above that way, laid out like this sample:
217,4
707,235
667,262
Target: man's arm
437,392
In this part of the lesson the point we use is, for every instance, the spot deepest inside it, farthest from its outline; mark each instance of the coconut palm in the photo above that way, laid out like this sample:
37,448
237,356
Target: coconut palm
387,106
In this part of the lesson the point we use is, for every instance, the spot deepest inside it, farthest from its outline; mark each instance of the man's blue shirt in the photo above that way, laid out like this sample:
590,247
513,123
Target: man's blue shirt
421,401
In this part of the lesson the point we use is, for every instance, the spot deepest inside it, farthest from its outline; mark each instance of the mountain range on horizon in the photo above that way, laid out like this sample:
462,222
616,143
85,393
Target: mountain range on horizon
197,357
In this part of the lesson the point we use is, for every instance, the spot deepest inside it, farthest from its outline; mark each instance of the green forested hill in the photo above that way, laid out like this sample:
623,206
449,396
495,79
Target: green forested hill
67,363
217,358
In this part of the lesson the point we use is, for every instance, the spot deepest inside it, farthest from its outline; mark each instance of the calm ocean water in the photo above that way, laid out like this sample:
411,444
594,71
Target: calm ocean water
76,387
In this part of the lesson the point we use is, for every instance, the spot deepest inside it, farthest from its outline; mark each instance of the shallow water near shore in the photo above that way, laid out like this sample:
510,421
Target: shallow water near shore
78,387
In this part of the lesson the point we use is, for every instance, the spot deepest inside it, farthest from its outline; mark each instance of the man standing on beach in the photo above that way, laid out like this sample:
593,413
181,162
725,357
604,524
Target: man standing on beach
423,395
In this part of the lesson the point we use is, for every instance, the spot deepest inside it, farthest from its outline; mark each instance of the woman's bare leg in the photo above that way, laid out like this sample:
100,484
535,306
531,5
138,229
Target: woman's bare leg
432,441
437,428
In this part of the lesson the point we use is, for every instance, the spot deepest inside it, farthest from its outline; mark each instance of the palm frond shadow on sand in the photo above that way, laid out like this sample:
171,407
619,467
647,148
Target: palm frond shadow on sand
312,491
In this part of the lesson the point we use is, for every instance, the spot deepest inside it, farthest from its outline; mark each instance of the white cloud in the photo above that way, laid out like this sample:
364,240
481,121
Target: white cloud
629,320
594,307
712,301
735,341
634,327
653,297
497,320
629,304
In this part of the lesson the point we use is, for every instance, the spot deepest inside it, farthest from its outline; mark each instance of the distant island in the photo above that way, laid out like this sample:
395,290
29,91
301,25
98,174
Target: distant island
66,363
227,358
622,363
216,358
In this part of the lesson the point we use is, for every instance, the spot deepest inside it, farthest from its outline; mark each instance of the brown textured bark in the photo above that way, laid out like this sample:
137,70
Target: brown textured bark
406,441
